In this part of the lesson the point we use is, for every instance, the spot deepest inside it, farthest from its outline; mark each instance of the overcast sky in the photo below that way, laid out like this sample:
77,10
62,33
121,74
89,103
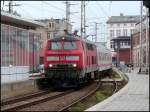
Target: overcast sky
96,11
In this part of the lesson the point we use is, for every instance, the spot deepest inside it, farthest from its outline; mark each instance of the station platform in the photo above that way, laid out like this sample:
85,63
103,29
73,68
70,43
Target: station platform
133,97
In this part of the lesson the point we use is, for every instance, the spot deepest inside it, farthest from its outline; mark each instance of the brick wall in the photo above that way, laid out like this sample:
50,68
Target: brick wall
124,55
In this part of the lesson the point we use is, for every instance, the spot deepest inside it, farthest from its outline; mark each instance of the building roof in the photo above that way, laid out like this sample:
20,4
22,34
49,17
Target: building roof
7,18
48,20
124,19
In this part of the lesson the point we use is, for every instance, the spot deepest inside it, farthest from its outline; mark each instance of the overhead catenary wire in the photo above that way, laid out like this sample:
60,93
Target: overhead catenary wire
96,14
58,8
104,12
34,7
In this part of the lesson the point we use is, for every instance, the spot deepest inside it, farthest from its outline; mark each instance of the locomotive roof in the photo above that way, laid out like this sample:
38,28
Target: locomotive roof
68,37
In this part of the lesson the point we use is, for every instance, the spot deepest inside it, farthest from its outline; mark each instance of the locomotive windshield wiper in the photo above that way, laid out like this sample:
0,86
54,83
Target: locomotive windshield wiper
71,43
57,44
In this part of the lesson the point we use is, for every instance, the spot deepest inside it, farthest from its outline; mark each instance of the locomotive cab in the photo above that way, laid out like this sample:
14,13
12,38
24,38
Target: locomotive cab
63,58
62,51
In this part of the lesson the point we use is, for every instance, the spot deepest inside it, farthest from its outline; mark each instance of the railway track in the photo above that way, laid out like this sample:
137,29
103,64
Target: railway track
54,100
81,98
58,103
66,108
22,98
30,100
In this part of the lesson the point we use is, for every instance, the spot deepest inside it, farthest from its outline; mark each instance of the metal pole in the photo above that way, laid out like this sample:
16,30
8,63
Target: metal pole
33,53
67,14
84,20
118,47
96,32
81,18
130,49
10,7
147,39
141,35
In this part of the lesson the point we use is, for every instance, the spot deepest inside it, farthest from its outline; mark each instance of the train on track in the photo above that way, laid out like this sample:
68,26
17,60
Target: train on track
71,61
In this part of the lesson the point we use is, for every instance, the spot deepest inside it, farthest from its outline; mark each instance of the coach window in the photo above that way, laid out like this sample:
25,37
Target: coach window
92,59
87,60
82,45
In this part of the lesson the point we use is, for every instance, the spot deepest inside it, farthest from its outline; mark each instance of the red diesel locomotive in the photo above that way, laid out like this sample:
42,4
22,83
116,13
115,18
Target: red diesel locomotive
69,60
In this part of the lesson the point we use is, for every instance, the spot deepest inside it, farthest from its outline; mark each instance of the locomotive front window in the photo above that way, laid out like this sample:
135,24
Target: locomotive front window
70,45
55,46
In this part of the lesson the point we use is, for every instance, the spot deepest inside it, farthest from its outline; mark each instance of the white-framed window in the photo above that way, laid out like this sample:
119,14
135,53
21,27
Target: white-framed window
121,43
132,31
125,24
111,25
118,33
111,44
51,25
118,25
132,24
124,32
111,33
48,35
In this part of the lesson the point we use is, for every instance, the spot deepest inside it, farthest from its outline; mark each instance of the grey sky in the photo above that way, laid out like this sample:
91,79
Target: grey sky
96,11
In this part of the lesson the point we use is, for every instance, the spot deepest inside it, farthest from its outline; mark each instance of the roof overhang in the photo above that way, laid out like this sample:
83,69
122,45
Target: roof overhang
19,21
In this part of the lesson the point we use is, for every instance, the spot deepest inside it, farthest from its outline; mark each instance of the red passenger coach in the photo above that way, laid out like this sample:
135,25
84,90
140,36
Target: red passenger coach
69,60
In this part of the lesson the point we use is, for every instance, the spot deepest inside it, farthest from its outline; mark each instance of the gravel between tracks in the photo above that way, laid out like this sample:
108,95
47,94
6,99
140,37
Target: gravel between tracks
57,104
30,100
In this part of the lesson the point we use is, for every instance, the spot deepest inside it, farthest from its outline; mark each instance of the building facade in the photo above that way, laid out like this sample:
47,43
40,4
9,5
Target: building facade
122,48
120,26
54,27
140,47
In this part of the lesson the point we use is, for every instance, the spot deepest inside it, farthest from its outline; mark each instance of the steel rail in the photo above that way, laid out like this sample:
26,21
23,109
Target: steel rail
80,99
23,98
27,104
92,92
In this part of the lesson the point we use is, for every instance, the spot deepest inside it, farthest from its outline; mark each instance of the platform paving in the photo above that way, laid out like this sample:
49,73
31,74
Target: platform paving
133,97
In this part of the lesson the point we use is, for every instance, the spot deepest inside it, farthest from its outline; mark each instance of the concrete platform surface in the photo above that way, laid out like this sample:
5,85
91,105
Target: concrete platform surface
133,97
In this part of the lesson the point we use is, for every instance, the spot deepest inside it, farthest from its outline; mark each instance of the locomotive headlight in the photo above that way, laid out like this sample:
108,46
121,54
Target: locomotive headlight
50,65
74,65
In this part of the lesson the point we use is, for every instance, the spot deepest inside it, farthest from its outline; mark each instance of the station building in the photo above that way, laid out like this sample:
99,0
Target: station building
19,44
120,29
123,25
